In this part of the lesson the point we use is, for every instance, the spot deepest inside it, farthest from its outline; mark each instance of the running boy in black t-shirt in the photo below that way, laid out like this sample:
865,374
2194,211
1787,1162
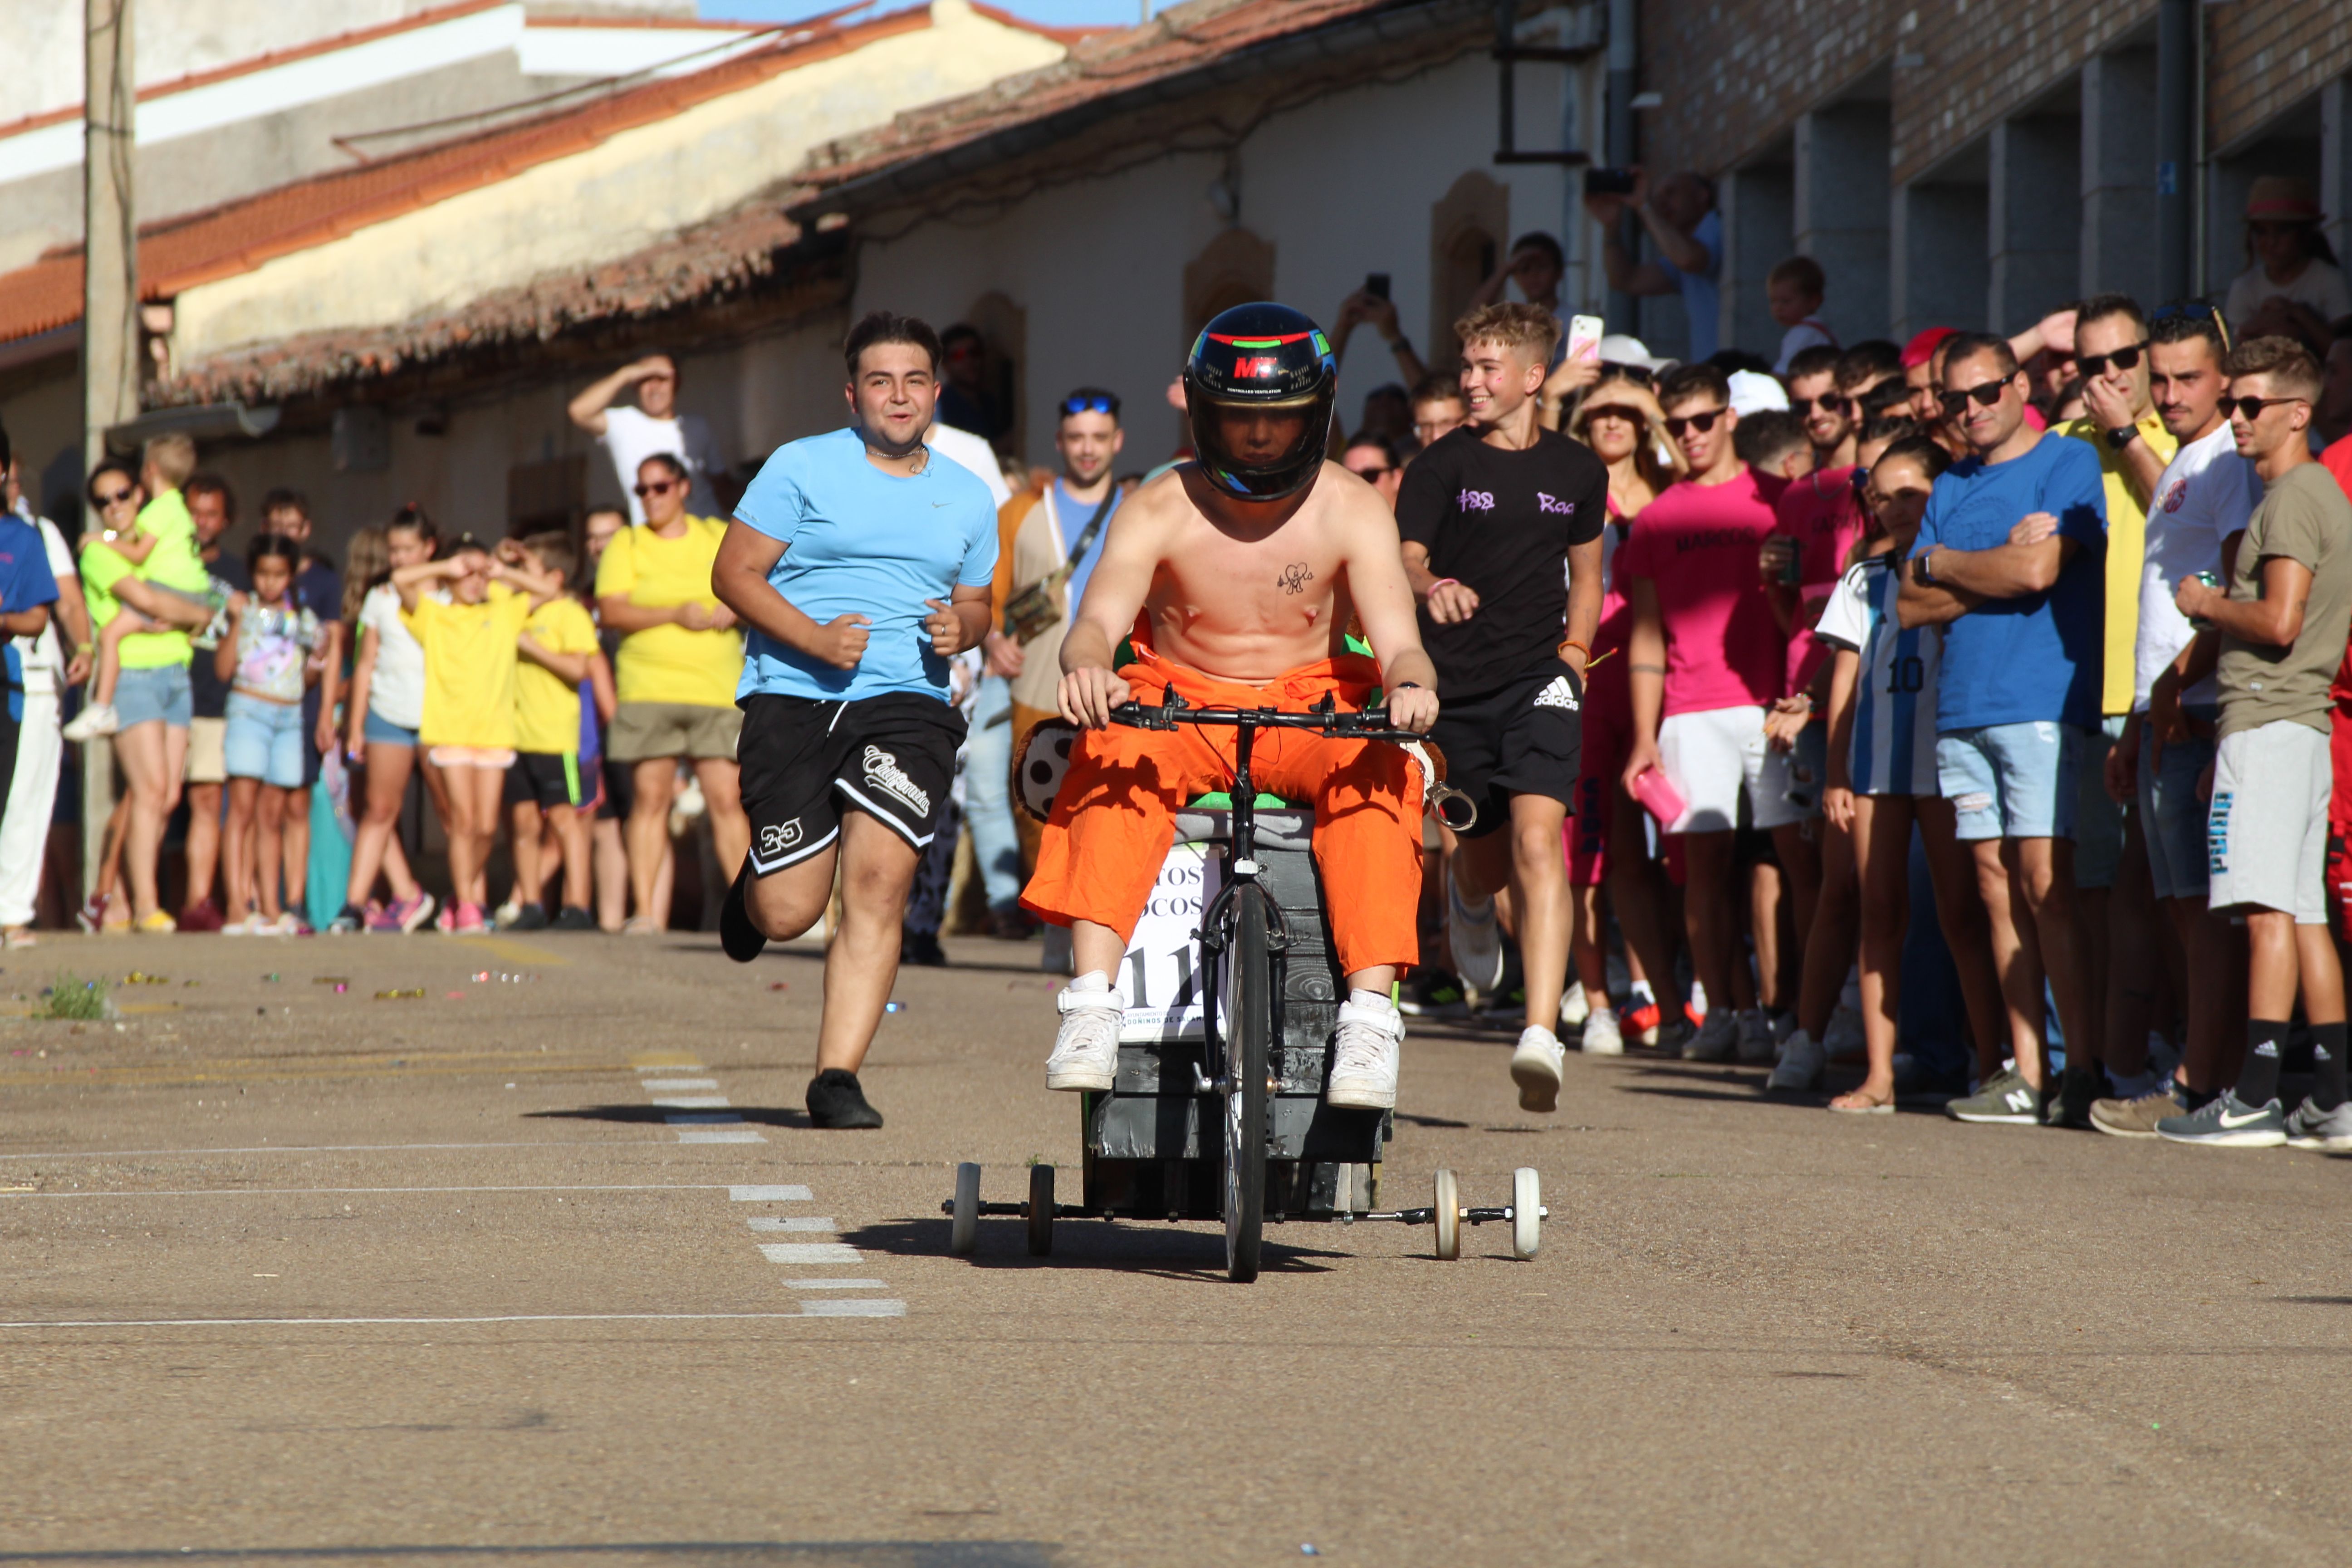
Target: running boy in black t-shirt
1489,515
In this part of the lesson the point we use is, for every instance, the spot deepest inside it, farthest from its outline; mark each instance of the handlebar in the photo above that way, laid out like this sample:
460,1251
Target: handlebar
1327,718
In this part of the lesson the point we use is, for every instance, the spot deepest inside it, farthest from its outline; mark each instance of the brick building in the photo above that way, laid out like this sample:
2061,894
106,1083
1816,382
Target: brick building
1978,162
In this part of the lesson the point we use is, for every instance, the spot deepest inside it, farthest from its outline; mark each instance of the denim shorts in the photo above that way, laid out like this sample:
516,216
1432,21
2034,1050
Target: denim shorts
144,695
378,731
265,740
2011,781
2171,817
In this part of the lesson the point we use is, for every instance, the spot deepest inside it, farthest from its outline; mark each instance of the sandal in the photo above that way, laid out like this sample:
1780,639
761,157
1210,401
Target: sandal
1877,1108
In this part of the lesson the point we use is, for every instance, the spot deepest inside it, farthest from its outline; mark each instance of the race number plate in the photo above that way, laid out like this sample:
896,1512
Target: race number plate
1162,977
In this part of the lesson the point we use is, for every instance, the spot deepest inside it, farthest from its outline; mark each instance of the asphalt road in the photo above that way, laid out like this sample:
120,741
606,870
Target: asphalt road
291,1274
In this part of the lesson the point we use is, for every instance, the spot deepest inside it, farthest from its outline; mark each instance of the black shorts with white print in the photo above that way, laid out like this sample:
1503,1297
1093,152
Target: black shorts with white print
892,757
1527,739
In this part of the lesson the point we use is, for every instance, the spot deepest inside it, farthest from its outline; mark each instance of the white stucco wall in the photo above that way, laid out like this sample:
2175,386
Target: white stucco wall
1340,188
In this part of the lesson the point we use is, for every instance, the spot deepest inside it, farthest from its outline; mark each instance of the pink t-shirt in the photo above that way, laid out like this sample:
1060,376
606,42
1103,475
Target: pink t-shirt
1698,543
1823,515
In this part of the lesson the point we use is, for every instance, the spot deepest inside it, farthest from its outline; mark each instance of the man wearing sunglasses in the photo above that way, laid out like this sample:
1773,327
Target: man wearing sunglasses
2278,633
2007,561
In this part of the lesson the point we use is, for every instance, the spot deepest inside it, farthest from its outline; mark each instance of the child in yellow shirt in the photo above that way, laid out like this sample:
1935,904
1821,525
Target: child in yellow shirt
544,788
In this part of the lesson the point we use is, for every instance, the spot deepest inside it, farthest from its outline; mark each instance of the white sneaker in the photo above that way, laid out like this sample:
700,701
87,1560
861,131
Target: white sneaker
1575,1006
1843,1037
1602,1038
1801,1067
1476,937
1364,1054
98,719
1717,1040
251,925
1085,1047
1535,1067
1755,1036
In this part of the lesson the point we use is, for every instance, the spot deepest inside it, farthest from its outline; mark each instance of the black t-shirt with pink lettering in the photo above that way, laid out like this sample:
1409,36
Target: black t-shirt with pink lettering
1501,523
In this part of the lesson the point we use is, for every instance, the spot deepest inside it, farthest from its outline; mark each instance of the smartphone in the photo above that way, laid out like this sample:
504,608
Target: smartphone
1584,337
1376,284
1607,182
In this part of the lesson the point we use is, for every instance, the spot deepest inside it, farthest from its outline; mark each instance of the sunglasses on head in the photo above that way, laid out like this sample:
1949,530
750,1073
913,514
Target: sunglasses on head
1091,405
1703,422
1988,394
2195,311
1641,373
2095,365
2252,407
658,487
1829,403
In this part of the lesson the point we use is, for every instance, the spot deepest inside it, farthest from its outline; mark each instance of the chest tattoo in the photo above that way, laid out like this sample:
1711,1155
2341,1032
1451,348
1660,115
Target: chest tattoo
1295,577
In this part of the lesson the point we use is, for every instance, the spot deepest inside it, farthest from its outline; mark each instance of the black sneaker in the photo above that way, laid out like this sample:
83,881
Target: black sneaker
351,918
742,939
531,917
834,1101
921,947
573,918
2071,1106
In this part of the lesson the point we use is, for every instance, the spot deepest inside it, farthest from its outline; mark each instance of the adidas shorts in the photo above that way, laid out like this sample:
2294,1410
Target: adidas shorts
1525,739
891,757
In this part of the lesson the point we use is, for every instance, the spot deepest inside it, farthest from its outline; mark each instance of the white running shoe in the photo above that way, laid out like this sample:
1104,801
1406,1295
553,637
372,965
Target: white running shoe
1800,1065
1717,1040
1085,1047
1755,1036
1843,1037
1364,1053
1535,1067
1575,1006
1602,1038
98,719
1476,937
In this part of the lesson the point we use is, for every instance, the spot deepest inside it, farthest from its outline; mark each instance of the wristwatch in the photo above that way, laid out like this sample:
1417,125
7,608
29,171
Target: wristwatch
1921,572
2119,439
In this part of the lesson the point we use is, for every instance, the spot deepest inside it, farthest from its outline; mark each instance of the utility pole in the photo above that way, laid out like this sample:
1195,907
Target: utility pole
110,313
2177,26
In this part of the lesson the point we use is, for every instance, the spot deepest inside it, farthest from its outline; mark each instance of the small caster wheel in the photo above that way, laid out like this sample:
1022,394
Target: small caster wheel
963,1228
1527,1211
1447,1201
1040,1211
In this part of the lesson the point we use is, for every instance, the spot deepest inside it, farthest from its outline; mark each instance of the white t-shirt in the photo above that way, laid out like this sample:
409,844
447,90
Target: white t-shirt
631,435
44,656
2318,285
2206,494
397,690
1806,334
971,452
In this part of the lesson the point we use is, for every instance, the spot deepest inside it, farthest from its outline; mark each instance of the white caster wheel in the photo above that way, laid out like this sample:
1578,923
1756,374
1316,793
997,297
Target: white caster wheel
1447,1200
963,1228
1527,1211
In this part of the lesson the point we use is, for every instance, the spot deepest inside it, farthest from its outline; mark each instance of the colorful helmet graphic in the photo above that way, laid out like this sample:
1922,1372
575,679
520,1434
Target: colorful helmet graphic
1259,388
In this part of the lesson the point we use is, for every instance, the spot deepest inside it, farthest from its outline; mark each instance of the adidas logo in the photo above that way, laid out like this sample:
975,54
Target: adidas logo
1559,694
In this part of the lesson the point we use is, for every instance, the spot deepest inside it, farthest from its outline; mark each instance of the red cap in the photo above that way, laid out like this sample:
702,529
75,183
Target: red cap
1922,349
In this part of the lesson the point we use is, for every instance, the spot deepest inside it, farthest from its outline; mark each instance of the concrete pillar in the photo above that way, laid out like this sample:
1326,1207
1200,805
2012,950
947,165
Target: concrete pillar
2335,161
1758,205
2033,238
1840,211
1941,272
2118,175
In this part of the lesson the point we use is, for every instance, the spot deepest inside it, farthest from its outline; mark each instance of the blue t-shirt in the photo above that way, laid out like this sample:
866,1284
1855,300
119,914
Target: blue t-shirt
1074,515
2012,661
24,582
858,541
1702,292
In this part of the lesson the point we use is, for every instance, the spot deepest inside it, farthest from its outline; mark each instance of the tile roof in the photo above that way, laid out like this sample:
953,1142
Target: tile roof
183,252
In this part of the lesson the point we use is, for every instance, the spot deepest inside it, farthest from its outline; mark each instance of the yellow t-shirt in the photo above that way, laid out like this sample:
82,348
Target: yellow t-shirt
173,563
2126,550
547,710
672,663
469,668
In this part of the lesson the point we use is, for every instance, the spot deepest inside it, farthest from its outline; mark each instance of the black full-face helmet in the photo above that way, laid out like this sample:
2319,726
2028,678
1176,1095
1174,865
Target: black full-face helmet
1258,389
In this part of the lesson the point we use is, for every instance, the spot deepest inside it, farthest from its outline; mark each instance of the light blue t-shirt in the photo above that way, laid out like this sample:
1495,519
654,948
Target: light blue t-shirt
858,541
1702,292
2012,661
1074,515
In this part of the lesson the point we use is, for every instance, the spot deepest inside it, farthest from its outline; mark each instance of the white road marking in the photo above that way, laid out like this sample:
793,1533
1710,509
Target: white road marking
770,1194
333,1322
319,1191
691,1101
313,1149
798,1221
810,1252
718,1135
701,1118
839,1285
853,1307
673,1067
678,1085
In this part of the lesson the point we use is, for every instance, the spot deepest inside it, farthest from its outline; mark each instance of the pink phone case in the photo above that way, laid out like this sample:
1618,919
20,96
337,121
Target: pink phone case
1658,795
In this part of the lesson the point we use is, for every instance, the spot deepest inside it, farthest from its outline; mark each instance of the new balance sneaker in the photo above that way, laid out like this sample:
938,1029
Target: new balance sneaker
1086,1046
1717,1040
1602,1038
98,719
1476,939
1755,1035
836,1102
2225,1121
1364,1074
2005,1097
2078,1087
1800,1065
2137,1117
2324,1131
1535,1067
403,916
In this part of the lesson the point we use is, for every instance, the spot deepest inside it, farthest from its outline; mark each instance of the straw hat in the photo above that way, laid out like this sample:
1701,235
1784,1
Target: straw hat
2283,198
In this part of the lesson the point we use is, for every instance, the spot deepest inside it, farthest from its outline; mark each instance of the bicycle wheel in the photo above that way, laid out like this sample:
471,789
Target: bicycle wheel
1249,1032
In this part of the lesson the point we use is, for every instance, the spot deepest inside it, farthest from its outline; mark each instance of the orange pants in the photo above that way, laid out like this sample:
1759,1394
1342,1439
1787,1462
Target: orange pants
1113,818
